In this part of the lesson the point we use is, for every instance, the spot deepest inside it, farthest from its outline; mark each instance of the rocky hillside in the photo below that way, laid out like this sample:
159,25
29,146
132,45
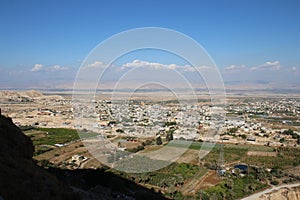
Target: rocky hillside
25,96
22,178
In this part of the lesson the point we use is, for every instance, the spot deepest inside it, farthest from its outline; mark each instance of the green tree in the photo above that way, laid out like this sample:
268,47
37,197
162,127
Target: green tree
148,142
140,148
243,136
288,132
158,140
252,186
282,140
229,184
233,130
172,190
170,123
169,136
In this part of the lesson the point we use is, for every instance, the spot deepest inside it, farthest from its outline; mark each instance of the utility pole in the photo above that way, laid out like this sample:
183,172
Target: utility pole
221,159
220,165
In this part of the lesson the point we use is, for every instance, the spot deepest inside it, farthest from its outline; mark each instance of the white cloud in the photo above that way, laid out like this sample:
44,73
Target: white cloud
157,66
234,67
140,63
57,68
96,64
294,69
268,66
37,67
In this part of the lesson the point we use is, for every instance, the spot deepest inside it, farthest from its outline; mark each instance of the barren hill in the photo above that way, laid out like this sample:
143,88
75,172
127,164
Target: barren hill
24,96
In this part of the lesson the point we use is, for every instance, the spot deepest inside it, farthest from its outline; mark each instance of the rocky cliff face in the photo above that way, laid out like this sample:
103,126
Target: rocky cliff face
13,142
20,177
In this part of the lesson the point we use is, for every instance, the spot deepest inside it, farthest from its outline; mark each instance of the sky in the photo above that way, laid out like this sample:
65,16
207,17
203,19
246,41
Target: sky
43,43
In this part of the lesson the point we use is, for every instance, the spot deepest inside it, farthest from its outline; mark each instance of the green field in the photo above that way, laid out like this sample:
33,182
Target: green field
251,147
51,136
232,152
286,157
233,188
198,145
173,175
56,136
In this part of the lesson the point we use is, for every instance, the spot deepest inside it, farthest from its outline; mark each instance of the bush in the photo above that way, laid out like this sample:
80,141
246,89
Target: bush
140,148
169,136
233,130
288,132
148,142
26,128
274,182
286,181
44,163
243,136
119,131
170,123
158,141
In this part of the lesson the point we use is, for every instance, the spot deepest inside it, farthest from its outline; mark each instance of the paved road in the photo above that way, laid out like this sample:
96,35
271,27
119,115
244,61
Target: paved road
257,195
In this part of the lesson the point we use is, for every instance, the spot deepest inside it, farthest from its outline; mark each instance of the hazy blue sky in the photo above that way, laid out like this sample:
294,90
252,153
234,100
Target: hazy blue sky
57,35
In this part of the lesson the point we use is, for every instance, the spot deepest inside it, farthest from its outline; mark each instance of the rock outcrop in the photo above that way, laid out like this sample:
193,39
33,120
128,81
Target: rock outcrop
20,177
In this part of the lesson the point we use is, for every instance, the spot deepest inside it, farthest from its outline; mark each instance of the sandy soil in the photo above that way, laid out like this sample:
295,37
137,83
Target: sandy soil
210,179
190,156
259,153
282,192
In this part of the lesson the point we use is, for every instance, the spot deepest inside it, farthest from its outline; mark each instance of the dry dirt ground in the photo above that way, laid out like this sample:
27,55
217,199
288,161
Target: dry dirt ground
210,179
260,153
190,156
193,185
58,155
294,170
283,194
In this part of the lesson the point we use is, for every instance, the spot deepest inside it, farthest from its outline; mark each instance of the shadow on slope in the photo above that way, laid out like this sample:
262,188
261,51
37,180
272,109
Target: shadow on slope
22,178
